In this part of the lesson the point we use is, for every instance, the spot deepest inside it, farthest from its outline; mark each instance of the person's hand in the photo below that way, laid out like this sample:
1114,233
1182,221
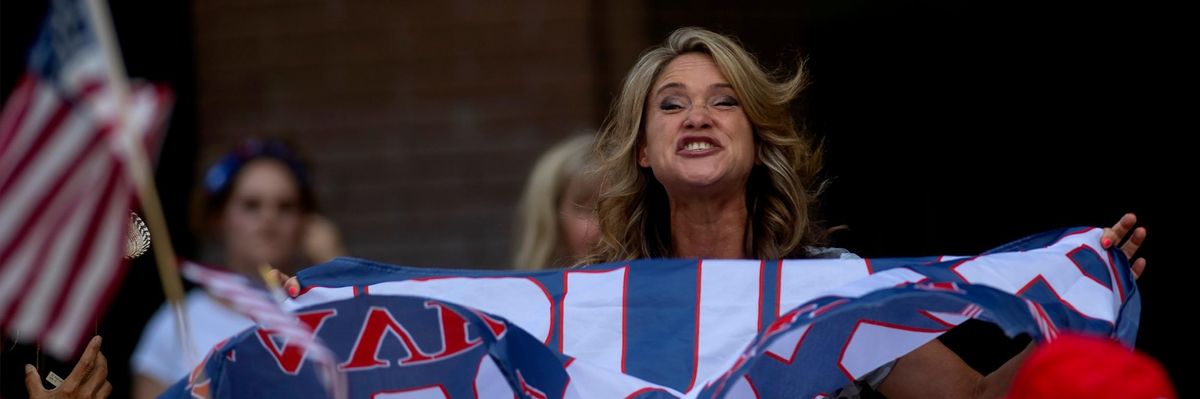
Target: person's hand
321,241
87,380
290,284
1124,227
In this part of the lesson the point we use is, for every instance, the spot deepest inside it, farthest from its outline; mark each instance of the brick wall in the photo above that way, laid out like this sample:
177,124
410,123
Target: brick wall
421,119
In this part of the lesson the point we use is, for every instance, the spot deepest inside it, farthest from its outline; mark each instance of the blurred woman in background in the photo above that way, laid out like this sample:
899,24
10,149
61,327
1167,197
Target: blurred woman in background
259,207
556,218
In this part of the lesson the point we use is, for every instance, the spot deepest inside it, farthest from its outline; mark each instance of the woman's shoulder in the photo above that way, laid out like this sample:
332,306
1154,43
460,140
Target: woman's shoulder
830,253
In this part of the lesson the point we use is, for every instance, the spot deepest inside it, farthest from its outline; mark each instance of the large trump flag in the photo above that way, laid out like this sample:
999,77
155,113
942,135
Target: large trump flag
666,328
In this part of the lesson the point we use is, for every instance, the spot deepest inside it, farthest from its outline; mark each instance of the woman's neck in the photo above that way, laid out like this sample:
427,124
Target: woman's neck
711,228
243,266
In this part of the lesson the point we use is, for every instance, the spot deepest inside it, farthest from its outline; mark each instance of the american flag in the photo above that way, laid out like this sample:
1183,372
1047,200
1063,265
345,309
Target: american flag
66,135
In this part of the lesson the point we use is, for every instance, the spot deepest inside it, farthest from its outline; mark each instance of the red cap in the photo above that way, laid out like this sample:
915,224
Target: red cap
1086,367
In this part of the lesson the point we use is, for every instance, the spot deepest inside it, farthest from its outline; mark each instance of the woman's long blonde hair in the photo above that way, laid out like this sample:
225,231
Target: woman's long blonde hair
782,189
540,241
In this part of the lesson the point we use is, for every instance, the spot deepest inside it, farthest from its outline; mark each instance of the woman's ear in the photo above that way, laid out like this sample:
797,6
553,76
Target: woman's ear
643,160
215,224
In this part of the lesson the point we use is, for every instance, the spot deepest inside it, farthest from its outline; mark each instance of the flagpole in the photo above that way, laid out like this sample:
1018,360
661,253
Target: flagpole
164,252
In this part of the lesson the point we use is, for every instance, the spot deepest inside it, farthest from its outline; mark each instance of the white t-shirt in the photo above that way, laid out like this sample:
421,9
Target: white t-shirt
159,354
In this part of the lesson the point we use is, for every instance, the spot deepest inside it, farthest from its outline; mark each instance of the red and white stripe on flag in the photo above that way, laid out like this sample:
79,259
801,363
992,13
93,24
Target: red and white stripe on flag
253,303
256,304
65,195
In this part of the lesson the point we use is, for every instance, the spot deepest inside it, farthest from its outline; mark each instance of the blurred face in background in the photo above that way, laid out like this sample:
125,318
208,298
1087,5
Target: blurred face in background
263,219
577,217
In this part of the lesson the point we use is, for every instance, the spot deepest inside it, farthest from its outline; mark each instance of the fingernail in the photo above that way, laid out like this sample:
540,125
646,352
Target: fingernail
292,291
98,340
30,369
1105,242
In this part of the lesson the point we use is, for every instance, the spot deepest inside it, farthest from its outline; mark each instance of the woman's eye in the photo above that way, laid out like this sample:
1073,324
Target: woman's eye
251,205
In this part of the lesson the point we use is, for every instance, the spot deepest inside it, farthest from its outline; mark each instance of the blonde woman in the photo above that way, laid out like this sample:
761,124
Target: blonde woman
556,218
700,158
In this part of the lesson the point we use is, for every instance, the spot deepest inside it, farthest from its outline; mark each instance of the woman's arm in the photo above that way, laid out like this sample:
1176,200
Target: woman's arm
933,371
